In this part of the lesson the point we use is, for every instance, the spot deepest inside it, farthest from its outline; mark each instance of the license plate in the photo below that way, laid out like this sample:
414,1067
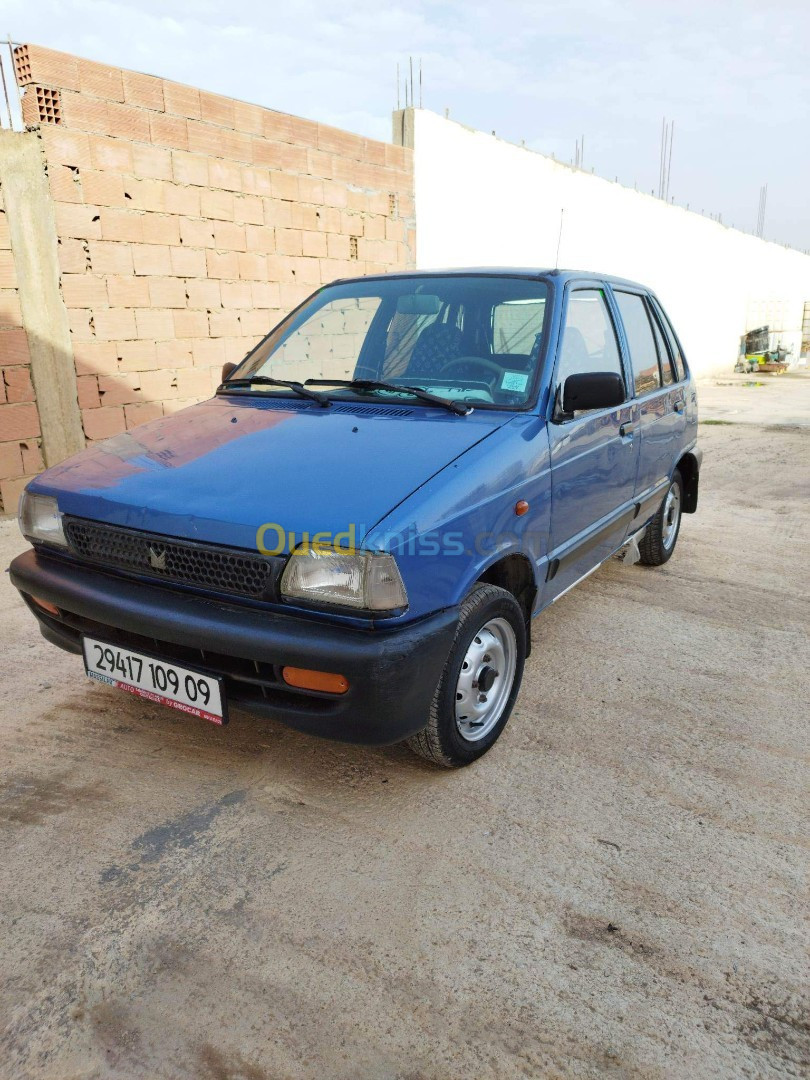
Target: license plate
161,681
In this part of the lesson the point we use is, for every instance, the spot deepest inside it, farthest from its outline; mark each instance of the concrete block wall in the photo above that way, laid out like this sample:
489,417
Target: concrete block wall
189,223
20,444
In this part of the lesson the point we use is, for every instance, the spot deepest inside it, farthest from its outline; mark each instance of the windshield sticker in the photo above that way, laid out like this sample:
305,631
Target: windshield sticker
514,380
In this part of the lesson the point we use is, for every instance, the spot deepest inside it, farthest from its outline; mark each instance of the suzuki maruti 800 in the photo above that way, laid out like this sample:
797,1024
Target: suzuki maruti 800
354,535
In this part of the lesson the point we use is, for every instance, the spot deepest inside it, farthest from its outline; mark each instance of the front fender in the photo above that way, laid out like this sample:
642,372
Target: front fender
449,532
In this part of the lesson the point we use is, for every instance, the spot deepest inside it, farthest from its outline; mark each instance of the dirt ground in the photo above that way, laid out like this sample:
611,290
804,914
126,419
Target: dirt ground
615,890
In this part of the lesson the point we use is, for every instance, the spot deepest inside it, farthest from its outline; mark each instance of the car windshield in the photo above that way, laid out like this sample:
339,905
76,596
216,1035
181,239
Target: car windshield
473,339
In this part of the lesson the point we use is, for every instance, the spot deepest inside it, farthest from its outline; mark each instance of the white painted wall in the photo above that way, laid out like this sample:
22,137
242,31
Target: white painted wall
481,201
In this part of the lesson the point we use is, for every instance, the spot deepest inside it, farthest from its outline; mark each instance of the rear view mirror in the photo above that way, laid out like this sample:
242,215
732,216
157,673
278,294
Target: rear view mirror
419,304
592,390
228,370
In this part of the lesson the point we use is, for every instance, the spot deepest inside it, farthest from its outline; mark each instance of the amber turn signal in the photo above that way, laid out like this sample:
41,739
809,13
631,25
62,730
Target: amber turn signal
305,679
50,608
521,507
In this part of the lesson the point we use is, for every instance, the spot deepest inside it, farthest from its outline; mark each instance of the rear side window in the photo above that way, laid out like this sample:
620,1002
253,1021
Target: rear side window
640,341
516,326
589,340
680,367
667,370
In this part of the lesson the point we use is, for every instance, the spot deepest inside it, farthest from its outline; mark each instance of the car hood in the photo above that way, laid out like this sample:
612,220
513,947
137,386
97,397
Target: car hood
220,470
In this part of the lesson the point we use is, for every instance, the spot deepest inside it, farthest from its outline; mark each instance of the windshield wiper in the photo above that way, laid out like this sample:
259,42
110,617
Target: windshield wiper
378,384
264,380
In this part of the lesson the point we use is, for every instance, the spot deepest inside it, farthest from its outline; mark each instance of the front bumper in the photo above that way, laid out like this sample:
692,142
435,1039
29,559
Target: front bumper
392,674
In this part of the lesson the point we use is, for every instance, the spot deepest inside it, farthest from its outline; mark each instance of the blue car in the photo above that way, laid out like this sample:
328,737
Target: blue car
354,535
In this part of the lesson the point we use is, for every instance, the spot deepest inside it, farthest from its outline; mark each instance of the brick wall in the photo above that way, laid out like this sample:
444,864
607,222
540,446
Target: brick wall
188,223
20,456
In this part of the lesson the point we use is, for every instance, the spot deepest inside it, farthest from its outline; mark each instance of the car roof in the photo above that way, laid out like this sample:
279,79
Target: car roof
506,272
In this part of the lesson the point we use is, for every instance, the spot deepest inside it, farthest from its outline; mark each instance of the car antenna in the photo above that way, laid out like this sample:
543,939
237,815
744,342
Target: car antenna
559,239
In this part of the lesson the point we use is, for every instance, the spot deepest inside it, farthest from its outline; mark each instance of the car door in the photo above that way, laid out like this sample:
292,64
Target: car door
659,401
593,454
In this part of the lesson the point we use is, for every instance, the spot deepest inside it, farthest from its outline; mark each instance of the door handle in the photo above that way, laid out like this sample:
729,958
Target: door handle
678,406
625,430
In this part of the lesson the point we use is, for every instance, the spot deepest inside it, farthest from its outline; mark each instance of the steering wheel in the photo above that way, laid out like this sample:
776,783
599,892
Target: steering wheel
493,370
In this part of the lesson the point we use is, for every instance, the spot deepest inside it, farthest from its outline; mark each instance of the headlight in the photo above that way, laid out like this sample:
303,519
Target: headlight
40,519
362,579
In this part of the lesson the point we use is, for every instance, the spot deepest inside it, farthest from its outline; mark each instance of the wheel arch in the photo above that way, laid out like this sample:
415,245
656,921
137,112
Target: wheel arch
689,469
514,572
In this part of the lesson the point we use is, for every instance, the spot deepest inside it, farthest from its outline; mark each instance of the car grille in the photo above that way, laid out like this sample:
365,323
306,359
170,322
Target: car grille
181,562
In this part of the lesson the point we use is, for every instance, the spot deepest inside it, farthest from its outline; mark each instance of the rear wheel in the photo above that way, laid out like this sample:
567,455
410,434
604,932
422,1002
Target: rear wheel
480,681
659,540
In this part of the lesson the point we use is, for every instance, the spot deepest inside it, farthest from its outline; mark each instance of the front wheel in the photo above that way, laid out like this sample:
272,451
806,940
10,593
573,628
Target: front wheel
480,681
658,542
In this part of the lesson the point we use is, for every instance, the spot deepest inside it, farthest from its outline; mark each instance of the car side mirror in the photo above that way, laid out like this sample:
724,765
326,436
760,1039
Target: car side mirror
228,370
592,390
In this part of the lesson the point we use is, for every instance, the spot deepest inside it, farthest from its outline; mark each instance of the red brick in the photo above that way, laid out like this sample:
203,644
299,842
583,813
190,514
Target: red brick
159,385
217,204
222,264
252,266
10,459
119,389
260,238
49,66
124,226
18,384
278,213
128,122
66,147
160,229
289,242
115,324
154,324
86,113
256,181
181,199
142,412
102,188
203,294
78,221
84,290
248,209
14,347
209,352
248,118
87,389
127,291
236,294
103,423
137,356
285,186
95,357
32,457
152,161
151,259
193,382
101,81
265,294
187,262
199,234
219,142
146,194
10,491
229,236
143,90
19,422
181,100
72,255
314,244
64,184
167,292
168,131
110,258
224,324
190,168
224,174
111,155
174,354
190,324
8,275
10,314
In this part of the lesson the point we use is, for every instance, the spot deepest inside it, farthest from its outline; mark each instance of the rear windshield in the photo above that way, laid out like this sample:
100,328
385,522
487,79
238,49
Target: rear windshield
473,339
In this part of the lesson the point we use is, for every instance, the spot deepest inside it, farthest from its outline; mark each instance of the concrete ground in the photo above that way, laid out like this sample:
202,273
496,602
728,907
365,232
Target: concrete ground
769,400
616,889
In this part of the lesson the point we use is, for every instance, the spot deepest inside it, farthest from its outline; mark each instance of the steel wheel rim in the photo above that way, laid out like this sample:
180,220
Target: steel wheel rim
672,516
485,679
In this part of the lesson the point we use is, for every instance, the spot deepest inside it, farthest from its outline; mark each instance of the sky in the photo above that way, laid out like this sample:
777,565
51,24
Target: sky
732,76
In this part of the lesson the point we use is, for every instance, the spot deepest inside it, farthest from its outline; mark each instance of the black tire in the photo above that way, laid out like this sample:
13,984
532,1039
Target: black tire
653,547
440,741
